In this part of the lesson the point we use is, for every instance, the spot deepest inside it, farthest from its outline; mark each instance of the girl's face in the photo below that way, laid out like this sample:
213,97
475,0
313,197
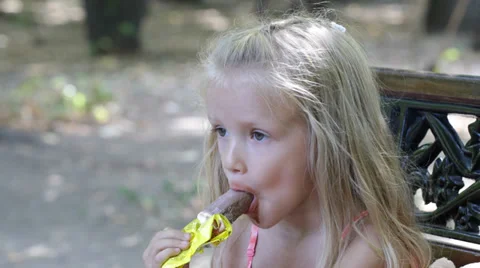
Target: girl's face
263,150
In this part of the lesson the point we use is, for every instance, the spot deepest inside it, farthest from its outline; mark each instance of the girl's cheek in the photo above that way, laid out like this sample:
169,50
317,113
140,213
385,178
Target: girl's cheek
220,146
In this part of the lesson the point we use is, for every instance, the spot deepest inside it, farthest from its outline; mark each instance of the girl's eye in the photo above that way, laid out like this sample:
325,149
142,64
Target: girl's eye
258,136
221,131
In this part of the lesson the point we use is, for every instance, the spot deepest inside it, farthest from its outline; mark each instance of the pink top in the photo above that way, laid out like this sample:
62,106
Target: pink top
254,237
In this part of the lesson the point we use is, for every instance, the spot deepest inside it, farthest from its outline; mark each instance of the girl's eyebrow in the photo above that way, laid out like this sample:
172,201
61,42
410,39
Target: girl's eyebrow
211,118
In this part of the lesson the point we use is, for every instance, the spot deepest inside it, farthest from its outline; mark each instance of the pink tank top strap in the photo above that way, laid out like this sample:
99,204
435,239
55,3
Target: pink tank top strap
252,244
362,215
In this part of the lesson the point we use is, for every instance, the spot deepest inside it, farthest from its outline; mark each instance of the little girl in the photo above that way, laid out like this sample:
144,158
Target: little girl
296,121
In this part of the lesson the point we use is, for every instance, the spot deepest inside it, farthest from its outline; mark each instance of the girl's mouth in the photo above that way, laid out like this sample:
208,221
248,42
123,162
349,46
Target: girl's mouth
253,206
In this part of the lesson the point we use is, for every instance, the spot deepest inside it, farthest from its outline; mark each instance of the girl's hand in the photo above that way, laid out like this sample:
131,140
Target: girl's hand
165,244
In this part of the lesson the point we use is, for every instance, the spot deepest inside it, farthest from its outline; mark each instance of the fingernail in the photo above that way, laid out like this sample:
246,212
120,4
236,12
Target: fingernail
187,236
184,244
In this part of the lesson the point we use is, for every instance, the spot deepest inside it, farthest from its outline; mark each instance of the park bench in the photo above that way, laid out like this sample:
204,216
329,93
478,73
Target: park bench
416,102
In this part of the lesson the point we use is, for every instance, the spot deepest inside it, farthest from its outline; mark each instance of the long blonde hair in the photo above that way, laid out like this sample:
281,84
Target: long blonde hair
322,70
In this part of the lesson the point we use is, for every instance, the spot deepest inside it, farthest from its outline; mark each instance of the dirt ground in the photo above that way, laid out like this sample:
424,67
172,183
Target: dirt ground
77,194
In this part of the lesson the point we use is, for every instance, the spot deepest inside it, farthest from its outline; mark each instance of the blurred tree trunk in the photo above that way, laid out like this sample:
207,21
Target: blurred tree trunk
114,26
439,16
439,12
476,36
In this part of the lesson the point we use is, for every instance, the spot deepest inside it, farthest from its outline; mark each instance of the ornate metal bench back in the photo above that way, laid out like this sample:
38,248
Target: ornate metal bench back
418,102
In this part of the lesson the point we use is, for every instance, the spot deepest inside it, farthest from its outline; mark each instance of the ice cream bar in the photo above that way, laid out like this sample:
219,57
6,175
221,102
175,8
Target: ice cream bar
213,225
231,204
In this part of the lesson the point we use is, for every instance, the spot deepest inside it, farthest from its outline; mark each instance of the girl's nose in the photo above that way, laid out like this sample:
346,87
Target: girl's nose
234,160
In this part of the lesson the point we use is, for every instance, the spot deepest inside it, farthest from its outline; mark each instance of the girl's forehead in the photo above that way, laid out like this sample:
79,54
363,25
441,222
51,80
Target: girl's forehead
254,82
243,95
240,77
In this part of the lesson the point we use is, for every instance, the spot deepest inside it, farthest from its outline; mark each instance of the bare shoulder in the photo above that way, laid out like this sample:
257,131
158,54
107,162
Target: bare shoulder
232,252
363,251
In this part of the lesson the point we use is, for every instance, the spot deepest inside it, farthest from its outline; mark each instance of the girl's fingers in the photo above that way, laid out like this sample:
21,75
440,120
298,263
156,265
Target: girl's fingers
163,245
170,239
169,243
165,241
163,255
171,233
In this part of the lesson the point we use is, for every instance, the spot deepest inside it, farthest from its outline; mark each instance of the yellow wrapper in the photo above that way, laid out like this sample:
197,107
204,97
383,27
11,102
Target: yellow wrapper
201,236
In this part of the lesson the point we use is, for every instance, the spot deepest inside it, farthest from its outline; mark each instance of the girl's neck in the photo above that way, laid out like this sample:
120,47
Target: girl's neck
302,223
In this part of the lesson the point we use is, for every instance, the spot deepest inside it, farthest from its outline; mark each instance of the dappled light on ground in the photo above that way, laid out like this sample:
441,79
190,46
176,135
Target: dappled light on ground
190,125
393,14
57,12
11,6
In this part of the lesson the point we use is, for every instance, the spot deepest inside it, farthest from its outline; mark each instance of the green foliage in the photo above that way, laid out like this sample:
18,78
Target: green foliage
129,194
449,55
104,43
25,19
62,98
126,28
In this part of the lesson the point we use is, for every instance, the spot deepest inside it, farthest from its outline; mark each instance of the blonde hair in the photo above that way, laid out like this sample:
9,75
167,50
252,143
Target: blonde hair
324,72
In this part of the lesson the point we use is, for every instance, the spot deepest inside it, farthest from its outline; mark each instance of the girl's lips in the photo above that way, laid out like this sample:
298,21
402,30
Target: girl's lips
253,205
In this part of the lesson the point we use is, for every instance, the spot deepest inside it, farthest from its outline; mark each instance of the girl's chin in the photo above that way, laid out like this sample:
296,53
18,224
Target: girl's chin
262,225
260,222
254,218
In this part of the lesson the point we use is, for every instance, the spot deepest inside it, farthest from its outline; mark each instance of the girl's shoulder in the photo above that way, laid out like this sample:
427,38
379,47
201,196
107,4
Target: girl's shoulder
234,249
364,249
